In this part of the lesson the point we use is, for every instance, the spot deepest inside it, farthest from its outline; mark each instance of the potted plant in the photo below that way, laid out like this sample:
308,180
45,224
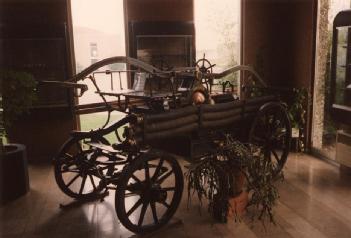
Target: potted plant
17,95
232,178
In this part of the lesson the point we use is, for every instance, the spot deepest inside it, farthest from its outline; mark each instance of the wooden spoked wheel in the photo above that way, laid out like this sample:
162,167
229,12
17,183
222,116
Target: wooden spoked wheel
75,168
272,131
149,192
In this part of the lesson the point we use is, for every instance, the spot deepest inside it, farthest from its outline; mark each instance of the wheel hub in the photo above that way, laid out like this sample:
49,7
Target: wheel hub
154,193
159,195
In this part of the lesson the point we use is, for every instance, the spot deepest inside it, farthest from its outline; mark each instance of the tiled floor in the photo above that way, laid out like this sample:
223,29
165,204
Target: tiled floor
315,201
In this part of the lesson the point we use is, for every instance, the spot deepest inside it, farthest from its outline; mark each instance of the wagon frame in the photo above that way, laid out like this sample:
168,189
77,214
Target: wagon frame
88,156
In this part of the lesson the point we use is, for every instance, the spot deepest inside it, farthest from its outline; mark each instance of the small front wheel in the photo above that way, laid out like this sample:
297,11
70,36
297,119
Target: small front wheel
149,192
75,168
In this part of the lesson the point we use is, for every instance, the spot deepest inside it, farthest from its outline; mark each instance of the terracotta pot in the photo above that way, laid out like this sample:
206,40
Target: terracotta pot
238,203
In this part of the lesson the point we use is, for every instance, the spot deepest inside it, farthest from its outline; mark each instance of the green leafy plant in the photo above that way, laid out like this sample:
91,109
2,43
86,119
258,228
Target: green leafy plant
255,90
214,177
261,185
18,95
298,108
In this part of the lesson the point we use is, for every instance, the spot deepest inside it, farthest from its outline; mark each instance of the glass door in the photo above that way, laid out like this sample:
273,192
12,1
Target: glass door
341,69
331,73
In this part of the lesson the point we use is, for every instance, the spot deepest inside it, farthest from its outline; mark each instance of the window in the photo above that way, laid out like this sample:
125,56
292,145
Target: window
93,50
98,30
98,33
217,29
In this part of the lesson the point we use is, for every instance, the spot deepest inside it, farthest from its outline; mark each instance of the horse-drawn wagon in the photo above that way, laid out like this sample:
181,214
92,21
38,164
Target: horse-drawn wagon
163,110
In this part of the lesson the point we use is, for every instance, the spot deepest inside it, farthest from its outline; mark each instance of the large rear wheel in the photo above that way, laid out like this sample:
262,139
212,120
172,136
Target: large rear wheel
272,131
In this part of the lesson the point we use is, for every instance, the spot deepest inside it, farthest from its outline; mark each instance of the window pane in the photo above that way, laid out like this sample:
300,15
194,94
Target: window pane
98,30
341,65
99,33
217,27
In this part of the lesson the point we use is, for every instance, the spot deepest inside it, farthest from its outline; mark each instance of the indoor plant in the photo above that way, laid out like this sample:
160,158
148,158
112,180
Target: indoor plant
297,115
229,175
18,93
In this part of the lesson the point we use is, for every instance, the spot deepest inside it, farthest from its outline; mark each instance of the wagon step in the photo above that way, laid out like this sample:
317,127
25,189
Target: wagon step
101,146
